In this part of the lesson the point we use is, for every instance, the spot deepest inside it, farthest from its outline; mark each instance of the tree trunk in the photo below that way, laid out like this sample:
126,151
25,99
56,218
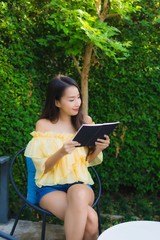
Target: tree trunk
85,76
102,8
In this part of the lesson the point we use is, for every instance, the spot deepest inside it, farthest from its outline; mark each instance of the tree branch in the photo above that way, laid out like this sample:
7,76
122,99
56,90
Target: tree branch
112,15
76,63
105,10
98,6
104,13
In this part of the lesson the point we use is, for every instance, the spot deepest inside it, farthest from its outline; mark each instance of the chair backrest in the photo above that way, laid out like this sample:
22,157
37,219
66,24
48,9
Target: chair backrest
18,174
20,178
97,187
22,172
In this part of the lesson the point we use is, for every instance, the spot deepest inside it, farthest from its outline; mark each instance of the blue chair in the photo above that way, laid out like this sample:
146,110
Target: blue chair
6,236
22,172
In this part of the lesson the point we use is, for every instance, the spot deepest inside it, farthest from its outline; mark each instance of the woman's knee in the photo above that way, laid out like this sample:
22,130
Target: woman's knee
80,195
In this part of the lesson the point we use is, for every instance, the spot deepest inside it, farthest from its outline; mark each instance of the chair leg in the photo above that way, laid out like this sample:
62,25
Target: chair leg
17,218
99,219
43,227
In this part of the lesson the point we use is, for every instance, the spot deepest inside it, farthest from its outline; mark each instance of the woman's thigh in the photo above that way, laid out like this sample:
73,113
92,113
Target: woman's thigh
55,202
58,201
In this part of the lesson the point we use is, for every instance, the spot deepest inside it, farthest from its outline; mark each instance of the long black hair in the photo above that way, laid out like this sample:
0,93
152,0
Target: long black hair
55,91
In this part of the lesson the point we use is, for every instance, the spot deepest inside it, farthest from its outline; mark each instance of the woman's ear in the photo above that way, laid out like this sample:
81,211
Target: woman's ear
57,103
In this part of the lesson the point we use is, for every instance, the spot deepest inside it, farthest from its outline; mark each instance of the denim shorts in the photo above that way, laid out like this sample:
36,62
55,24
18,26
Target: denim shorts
59,187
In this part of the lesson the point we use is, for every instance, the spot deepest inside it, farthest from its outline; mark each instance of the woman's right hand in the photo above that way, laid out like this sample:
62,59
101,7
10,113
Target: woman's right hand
69,147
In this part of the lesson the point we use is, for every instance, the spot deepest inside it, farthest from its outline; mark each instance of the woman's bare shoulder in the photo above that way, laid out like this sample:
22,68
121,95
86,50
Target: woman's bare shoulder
42,125
88,119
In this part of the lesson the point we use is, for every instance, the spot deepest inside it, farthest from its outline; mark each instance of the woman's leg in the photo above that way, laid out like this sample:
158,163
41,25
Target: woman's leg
80,219
79,197
91,230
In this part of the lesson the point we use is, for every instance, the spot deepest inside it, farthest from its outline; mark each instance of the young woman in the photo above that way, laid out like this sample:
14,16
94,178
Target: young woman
61,165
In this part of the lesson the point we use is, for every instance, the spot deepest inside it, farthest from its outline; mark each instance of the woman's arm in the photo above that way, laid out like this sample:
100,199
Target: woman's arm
67,148
100,145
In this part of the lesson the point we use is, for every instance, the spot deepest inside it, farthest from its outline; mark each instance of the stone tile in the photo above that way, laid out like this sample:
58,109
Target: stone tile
27,230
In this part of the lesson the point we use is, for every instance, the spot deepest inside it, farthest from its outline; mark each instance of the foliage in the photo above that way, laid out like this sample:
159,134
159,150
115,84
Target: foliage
76,27
23,73
117,208
16,79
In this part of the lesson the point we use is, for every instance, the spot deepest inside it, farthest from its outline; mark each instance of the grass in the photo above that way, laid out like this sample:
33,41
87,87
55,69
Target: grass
120,207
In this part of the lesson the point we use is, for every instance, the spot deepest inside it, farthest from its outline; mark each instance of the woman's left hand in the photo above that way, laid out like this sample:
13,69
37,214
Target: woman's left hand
101,144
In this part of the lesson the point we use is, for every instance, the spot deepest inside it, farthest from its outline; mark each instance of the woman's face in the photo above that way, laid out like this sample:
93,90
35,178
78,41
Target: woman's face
70,102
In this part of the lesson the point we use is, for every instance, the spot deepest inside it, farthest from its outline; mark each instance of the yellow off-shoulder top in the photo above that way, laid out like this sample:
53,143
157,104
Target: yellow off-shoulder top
70,168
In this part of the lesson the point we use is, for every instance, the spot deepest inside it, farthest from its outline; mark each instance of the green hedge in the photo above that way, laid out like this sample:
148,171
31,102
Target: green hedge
127,92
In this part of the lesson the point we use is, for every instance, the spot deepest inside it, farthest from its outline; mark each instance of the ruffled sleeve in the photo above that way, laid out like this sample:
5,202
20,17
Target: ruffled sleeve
98,160
40,148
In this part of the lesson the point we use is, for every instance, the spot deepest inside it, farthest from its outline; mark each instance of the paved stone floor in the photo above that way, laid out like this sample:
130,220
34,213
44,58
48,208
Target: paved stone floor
27,230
